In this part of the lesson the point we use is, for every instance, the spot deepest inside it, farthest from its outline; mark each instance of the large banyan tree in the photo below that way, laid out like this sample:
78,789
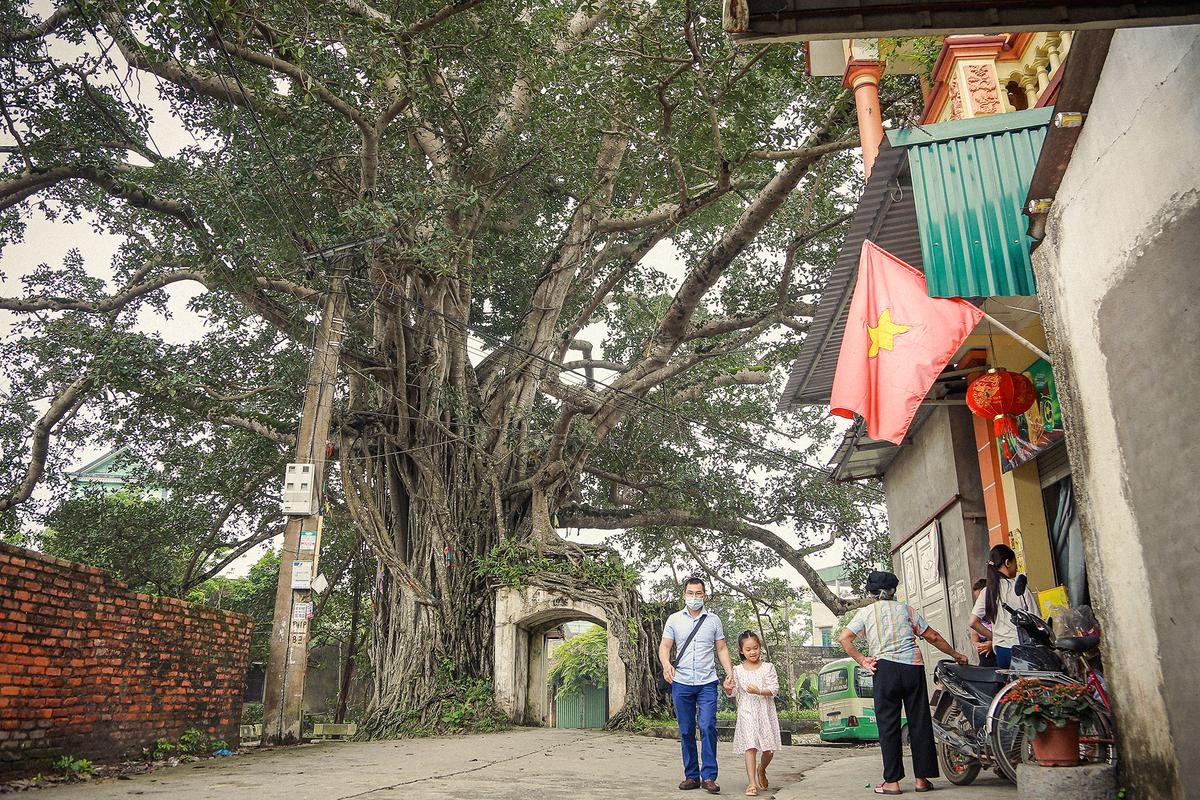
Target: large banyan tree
580,242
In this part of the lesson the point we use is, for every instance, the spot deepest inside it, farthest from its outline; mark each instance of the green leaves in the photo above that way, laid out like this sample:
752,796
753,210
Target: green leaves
512,564
580,661
143,541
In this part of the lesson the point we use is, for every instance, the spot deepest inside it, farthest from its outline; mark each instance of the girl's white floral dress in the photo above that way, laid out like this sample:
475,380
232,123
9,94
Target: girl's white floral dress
757,723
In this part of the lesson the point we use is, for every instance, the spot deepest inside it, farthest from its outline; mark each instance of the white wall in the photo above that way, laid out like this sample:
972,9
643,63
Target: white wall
1118,279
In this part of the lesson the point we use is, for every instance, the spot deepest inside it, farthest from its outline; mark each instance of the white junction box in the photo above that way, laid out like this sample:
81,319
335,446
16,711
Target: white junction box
298,495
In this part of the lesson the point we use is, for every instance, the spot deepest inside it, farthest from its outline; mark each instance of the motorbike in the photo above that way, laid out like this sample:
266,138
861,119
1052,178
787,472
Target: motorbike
976,728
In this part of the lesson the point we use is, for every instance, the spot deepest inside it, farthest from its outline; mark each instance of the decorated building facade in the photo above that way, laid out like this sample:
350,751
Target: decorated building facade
1045,179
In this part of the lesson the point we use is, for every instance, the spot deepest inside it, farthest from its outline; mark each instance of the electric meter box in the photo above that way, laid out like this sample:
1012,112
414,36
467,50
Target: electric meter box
298,495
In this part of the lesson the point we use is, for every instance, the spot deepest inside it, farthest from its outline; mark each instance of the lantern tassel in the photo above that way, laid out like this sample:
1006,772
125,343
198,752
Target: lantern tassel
1007,435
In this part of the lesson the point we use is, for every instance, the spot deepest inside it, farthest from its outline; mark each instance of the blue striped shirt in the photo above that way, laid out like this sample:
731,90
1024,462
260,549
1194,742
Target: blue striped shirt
699,663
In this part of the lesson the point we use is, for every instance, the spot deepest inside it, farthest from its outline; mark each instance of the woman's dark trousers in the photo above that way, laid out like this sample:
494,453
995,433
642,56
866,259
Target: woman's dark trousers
897,685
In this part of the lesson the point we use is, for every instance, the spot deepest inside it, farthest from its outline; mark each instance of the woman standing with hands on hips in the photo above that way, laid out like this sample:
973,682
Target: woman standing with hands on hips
891,629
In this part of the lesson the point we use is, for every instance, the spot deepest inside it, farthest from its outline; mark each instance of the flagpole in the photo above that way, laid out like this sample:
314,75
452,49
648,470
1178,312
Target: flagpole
1021,339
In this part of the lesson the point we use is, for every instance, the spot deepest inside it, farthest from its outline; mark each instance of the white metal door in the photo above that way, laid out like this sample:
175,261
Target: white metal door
923,583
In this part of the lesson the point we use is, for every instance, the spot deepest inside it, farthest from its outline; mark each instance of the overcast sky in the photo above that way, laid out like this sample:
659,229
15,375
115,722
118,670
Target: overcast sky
48,241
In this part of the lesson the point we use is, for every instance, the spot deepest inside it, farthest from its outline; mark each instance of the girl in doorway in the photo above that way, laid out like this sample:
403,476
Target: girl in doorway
989,605
757,730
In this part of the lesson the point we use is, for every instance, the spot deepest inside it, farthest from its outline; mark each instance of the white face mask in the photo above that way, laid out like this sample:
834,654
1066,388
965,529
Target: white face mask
694,603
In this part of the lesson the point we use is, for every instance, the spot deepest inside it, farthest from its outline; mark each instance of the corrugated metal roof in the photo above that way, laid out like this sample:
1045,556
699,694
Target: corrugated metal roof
970,178
887,216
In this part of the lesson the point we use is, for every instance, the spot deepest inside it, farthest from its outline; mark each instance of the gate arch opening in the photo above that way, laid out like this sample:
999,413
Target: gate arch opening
523,617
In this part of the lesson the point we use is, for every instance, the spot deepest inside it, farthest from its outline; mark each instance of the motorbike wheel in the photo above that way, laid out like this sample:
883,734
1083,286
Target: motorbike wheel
956,768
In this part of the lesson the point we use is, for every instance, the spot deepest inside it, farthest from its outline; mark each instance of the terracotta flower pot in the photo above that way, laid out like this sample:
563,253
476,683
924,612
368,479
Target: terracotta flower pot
1058,747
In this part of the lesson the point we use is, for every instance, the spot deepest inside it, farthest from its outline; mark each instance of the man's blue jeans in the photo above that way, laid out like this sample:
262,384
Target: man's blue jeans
688,701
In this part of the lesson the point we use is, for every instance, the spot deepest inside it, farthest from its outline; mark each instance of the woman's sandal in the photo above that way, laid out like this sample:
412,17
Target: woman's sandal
752,791
929,787
880,790
762,778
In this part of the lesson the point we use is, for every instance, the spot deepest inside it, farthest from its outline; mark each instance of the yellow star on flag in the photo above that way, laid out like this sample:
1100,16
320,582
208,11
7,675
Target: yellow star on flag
884,334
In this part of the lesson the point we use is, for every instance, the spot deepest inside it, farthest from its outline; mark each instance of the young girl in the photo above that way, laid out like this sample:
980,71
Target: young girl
757,728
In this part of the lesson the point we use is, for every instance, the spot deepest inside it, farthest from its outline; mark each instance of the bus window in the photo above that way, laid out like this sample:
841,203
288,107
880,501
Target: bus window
864,682
834,681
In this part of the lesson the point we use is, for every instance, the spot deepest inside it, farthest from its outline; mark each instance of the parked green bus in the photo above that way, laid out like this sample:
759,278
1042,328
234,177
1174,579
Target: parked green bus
846,710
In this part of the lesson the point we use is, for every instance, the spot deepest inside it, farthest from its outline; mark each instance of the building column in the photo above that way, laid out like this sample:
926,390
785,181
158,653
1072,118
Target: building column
1029,83
1043,77
1025,514
989,478
1052,52
863,77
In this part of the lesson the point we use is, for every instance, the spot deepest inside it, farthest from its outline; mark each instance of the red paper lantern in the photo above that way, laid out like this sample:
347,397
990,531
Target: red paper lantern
1001,395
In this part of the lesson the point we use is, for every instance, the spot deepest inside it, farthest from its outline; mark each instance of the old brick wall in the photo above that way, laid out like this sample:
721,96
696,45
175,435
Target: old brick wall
91,669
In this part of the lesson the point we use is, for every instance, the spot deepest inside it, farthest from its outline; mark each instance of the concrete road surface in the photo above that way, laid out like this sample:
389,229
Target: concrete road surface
524,764
854,777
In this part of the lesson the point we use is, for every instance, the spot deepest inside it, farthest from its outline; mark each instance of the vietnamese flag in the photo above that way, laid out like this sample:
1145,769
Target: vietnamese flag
897,341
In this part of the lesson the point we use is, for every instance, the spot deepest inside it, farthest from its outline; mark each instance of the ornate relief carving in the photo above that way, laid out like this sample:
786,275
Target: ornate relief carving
956,103
981,84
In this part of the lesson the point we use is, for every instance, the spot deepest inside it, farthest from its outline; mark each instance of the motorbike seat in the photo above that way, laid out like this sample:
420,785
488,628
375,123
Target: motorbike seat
1078,644
970,674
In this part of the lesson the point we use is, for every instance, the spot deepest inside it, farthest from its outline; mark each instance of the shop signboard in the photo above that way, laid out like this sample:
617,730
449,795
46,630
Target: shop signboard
1039,428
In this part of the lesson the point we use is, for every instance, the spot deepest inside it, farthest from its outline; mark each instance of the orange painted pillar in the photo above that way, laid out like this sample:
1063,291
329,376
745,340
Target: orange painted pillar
863,77
989,478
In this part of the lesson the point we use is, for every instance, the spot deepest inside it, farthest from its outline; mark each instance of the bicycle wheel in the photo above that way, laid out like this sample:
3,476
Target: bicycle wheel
1011,746
1096,745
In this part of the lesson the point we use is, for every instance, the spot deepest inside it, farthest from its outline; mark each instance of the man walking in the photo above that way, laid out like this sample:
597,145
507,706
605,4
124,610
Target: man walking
699,639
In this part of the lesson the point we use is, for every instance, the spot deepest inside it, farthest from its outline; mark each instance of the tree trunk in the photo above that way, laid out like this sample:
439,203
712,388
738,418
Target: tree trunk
352,644
429,476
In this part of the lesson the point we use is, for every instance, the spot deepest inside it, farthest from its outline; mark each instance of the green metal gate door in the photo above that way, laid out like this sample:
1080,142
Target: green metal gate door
586,709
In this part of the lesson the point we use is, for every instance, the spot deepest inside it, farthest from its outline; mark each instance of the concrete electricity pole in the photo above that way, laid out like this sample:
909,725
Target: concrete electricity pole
284,697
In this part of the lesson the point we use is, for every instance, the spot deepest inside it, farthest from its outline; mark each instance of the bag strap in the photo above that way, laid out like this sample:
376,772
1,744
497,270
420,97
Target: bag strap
688,640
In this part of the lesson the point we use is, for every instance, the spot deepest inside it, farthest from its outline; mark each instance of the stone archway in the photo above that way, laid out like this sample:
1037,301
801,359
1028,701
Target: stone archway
522,616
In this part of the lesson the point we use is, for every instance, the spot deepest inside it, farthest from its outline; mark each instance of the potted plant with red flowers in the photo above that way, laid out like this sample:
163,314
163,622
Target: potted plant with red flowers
1050,714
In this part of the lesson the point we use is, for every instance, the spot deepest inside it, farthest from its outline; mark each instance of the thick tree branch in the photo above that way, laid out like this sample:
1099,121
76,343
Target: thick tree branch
103,305
206,408
743,378
594,363
845,143
575,396
67,401
687,299
304,80
43,28
669,215
616,519
441,15
740,322
717,577
14,190
361,9
171,69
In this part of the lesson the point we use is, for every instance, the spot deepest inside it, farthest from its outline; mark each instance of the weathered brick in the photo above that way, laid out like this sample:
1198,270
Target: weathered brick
84,655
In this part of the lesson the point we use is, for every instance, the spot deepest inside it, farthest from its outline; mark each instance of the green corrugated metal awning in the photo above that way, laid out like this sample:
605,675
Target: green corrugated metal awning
969,181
